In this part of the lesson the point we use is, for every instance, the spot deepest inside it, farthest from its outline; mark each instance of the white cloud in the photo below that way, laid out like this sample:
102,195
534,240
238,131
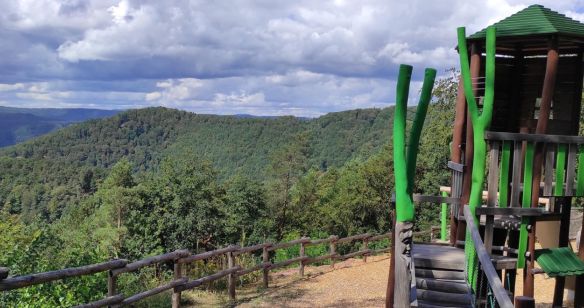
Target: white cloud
267,57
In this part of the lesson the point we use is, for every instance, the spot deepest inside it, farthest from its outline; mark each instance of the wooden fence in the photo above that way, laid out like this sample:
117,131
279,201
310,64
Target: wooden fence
180,258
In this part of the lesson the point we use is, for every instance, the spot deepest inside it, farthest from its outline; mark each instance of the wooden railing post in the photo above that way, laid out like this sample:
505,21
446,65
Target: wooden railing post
266,260
111,284
231,277
175,292
333,249
365,247
302,254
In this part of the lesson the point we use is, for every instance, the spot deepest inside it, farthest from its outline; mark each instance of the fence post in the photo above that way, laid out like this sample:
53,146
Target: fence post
231,278
365,247
175,293
302,254
266,260
333,249
111,284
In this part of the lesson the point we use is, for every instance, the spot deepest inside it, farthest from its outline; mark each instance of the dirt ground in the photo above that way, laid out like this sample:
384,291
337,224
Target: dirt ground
353,283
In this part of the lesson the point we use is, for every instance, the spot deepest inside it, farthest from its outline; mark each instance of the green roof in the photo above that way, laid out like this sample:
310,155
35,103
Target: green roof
559,262
534,20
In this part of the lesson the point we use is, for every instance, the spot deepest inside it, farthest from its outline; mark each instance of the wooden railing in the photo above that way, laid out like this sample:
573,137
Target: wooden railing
179,258
486,265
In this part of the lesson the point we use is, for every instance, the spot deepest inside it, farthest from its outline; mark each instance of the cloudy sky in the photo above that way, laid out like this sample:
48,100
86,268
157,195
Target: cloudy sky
263,57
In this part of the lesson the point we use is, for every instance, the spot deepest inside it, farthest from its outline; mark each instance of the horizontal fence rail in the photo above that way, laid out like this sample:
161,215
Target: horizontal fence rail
182,257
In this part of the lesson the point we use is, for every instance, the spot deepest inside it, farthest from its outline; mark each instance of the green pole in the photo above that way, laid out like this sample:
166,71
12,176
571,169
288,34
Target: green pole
480,122
443,218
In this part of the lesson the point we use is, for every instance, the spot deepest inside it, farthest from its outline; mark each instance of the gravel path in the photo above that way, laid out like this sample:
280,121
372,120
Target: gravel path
353,283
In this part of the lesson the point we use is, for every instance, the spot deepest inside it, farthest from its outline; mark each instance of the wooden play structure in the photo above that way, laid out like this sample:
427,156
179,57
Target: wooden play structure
517,165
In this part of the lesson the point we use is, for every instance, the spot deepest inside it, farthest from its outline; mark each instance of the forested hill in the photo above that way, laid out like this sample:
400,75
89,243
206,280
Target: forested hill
59,167
234,144
20,124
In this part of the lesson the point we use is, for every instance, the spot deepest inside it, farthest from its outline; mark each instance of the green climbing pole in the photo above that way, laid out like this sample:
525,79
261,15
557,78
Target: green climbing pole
480,122
404,171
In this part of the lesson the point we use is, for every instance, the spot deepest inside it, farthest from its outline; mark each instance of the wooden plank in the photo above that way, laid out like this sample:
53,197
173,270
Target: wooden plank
171,256
380,237
110,300
250,248
522,212
288,244
438,297
504,174
442,285
543,138
320,258
353,238
266,271
492,187
209,254
485,260
456,166
258,267
571,169
197,282
322,241
516,176
440,274
152,292
29,280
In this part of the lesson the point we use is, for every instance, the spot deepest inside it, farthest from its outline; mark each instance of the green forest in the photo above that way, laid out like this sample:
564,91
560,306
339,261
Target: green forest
149,181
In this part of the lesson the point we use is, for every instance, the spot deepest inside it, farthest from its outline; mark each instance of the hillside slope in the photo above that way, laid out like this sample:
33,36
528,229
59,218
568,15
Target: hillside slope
20,124
61,160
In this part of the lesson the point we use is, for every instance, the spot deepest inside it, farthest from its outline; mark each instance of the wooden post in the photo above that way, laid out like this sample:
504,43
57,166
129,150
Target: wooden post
175,292
389,294
403,261
456,151
302,254
579,296
365,247
564,238
231,278
333,249
549,84
475,67
524,302
111,284
266,260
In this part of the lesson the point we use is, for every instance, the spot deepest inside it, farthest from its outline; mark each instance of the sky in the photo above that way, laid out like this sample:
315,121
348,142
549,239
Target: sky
262,57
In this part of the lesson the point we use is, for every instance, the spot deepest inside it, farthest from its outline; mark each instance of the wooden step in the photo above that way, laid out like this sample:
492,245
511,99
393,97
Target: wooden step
440,274
427,304
443,298
451,286
438,257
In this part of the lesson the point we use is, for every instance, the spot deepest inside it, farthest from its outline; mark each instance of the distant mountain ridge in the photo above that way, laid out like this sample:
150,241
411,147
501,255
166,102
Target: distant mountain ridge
20,124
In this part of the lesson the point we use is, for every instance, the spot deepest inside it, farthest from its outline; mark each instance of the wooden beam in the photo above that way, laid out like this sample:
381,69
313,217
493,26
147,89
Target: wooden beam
456,150
29,280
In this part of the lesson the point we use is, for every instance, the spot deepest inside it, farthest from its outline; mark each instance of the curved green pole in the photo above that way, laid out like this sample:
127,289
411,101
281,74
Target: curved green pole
403,202
405,166
480,122
421,111
404,171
